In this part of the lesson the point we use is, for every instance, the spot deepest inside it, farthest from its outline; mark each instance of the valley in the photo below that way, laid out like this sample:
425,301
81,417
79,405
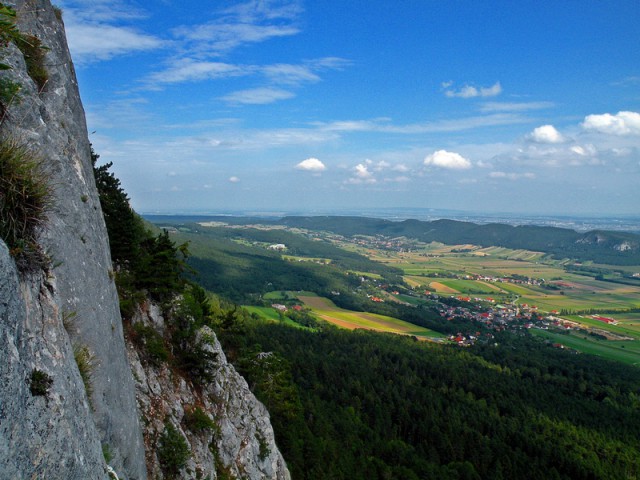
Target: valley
464,293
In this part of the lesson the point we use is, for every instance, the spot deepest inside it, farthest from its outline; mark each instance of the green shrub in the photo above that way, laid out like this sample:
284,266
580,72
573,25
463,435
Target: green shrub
9,91
197,420
40,382
107,453
151,342
8,29
25,198
173,451
34,53
58,12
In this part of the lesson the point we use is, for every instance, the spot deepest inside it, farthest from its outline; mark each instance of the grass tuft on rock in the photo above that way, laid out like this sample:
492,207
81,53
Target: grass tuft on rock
25,197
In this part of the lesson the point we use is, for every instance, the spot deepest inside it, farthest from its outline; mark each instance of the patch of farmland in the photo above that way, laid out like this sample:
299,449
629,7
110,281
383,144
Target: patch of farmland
440,287
627,352
469,286
326,310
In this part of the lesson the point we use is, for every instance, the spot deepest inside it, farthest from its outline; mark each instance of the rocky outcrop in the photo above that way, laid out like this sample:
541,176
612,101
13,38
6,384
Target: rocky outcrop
239,441
49,120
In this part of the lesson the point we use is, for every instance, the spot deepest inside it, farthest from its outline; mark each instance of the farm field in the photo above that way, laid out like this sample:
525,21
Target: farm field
628,324
270,313
326,310
569,290
624,351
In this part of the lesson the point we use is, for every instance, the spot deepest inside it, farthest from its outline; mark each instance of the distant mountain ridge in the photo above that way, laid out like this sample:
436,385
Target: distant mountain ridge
600,246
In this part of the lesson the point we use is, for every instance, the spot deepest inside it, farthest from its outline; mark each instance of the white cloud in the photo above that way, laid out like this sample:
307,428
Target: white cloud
444,159
546,134
113,41
258,96
382,124
251,22
469,91
512,176
97,30
361,174
234,179
189,70
290,74
622,123
514,106
584,151
311,165
225,37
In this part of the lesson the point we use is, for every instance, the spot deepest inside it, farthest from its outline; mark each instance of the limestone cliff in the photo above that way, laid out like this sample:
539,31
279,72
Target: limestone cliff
235,439
50,427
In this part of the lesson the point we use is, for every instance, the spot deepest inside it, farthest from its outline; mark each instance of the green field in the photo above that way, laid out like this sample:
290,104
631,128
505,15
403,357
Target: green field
269,313
626,351
326,310
432,265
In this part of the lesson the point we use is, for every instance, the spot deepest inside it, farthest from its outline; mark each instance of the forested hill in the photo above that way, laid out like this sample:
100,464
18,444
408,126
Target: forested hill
615,248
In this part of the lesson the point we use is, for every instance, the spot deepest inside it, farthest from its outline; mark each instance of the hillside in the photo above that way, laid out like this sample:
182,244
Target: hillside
614,248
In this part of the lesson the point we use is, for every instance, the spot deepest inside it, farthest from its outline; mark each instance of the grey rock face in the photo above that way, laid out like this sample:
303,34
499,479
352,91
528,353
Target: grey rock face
242,442
41,436
51,122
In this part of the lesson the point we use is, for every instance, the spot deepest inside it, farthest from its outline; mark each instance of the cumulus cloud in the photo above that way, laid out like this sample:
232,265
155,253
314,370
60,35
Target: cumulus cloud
444,159
234,179
362,174
546,134
469,91
311,165
622,123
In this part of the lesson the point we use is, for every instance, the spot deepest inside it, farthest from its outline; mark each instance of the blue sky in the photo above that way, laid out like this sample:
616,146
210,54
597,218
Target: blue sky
483,106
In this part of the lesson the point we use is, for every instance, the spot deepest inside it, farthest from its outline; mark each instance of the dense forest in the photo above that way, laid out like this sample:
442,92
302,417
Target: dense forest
363,405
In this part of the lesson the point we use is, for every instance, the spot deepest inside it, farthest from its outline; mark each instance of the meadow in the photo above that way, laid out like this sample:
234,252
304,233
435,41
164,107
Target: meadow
326,310
623,351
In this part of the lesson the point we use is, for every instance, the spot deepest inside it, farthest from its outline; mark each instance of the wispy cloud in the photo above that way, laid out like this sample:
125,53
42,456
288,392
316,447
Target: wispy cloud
98,31
454,125
251,22
258,96
515,106
190,70
627,82
512,176
470,91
